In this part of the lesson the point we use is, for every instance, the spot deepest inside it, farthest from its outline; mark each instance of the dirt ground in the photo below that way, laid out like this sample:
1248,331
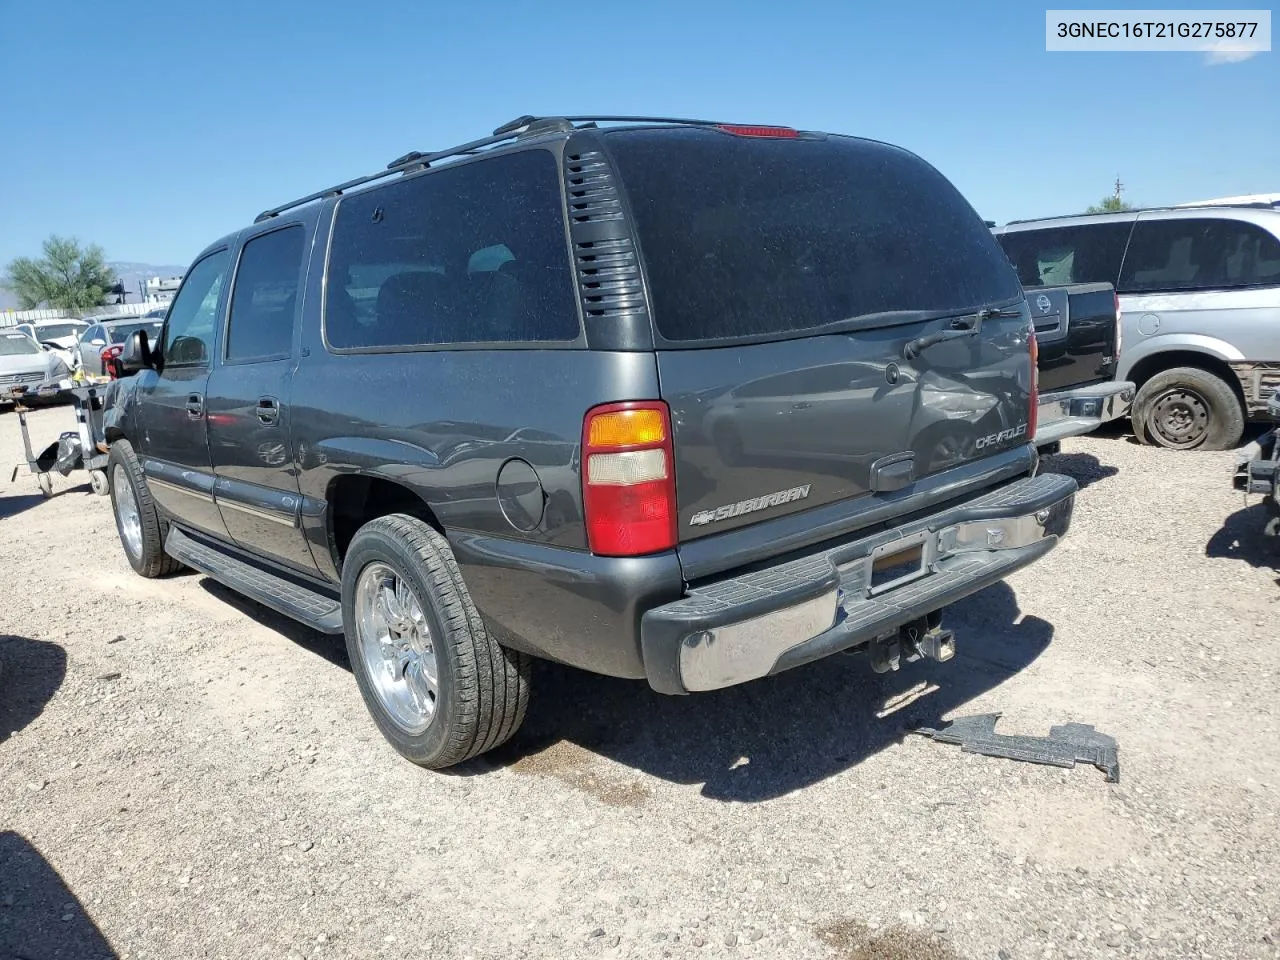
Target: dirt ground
185,774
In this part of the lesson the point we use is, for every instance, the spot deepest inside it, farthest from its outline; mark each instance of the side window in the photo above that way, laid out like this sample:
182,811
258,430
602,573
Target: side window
1061,255
265,296
92,334
188,336
1199,254
470,254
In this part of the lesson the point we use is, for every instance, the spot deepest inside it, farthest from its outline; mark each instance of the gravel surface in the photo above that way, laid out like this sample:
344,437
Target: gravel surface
186,774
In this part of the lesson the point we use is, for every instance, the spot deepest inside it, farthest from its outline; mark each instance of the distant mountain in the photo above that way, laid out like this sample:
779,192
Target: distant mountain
129,272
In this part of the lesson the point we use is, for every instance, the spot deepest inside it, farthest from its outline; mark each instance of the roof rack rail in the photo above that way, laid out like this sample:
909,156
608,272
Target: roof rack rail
519,127
1249,205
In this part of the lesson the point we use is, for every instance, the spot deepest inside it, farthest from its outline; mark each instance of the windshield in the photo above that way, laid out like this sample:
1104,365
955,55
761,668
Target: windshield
56,331
17,345
121,332
749,237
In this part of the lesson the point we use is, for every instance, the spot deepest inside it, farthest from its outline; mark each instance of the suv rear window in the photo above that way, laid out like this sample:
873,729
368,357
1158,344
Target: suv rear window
749,237
470,254
1055,256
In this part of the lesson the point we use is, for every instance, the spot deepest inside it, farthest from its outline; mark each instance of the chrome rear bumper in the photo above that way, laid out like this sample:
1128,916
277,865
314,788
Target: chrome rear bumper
770,620
1081,410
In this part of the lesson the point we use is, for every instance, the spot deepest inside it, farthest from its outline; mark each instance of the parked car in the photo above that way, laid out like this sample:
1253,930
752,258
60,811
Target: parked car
110,335
476,426
1200,296
27,369
59,336
1078,331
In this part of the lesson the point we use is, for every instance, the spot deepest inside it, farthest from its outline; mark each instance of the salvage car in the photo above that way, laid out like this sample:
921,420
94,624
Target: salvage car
687,402
1200,293
28,371
1078,331
59,336
104,340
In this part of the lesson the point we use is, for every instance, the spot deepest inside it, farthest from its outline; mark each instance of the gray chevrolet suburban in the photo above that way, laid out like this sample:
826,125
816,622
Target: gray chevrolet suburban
670,400
1199,291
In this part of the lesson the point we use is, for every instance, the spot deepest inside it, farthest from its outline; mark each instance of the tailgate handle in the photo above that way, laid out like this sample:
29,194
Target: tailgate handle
893,472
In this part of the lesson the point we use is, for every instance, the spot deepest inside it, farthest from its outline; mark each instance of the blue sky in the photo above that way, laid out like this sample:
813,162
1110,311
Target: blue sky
153,128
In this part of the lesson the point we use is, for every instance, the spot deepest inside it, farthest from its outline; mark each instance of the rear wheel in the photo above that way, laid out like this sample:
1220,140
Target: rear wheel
1187,408
439,688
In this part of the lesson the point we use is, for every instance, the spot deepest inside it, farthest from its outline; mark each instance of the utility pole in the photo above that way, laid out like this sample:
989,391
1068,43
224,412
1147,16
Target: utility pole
1119,187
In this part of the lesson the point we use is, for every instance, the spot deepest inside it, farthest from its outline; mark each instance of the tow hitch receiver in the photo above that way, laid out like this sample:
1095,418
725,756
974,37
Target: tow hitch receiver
920,638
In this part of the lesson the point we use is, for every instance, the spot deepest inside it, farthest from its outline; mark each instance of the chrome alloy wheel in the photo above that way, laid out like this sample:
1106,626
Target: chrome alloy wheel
397,647
127,515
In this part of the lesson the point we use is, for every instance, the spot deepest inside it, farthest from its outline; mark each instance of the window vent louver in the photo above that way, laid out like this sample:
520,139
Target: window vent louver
608,271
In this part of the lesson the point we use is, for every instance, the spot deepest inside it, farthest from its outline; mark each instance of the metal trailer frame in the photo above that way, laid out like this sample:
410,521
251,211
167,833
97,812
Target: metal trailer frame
87,401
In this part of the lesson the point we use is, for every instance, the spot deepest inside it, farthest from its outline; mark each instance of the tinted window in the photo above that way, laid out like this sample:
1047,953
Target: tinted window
1199,254
189,332
470,254
92,334
1062,255
749,237
265,296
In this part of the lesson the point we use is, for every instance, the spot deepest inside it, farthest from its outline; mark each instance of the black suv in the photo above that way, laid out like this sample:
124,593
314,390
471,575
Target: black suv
663,399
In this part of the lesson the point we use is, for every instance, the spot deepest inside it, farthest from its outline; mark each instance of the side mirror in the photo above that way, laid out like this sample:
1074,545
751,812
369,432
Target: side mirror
136,355
98,343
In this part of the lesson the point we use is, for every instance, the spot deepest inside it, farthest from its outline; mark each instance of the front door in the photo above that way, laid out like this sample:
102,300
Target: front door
255,481
175,449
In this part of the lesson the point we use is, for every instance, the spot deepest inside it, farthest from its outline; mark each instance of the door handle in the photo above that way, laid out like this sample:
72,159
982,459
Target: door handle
195,406
801,405
268,411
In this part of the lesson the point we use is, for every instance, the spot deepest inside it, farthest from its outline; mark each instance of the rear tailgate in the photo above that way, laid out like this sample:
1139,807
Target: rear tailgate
787,278
1076,330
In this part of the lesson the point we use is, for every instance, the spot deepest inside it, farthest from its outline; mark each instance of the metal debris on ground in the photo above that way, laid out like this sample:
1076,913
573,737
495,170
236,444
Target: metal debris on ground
1065,744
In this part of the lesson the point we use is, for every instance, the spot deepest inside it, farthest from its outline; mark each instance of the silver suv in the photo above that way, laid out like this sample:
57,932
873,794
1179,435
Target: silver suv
1200,295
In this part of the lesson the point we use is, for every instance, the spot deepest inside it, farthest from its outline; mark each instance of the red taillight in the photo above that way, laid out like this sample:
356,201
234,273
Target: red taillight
1034,414
749,130
628,479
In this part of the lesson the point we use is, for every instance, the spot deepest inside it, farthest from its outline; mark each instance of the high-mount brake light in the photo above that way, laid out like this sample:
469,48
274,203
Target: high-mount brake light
628,479
749,130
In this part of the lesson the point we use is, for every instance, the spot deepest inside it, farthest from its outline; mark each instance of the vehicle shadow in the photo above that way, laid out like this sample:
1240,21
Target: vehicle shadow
39,915
31,671
14,505
770,737
1084,468
1241,537
323,645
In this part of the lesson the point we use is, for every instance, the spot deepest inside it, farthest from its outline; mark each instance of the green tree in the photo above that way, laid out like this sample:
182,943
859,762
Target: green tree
1112,204
67,277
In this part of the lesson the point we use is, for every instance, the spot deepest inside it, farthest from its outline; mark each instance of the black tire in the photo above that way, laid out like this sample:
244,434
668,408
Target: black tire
482,689
149,560
1187,408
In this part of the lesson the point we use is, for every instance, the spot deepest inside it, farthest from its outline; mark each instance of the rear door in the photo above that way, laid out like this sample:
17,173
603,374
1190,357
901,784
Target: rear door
256,484
788,277
175,449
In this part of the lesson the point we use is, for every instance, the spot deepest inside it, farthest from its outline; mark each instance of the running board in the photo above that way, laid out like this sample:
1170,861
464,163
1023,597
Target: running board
284,596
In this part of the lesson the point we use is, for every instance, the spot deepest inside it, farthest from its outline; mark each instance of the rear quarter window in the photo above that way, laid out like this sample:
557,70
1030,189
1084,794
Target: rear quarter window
469,254
750,237
1056,256
1206,253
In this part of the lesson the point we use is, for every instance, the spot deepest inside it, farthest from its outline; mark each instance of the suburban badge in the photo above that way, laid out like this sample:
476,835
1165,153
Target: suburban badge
749,506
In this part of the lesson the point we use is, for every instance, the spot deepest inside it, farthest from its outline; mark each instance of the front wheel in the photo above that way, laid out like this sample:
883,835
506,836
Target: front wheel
1187,408
141,527
439,688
